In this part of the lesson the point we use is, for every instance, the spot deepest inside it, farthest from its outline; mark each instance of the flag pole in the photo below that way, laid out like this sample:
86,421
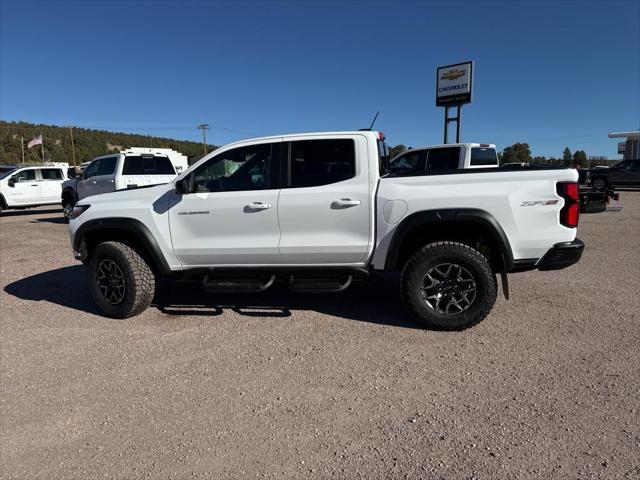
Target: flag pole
42,145
22,147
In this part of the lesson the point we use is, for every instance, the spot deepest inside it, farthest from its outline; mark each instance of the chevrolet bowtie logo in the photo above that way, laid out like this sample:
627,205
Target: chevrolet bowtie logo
452,75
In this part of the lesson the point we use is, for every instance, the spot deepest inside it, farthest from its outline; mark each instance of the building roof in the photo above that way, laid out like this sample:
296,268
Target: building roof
633,134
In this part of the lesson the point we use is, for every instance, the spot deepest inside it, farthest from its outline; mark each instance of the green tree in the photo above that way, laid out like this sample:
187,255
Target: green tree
397,150
518,152
566,156
579,159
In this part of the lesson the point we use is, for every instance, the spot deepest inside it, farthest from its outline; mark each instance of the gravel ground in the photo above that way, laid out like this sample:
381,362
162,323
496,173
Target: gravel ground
279,385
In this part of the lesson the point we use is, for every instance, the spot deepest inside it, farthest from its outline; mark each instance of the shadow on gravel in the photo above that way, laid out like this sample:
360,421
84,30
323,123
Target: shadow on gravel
19,213
376,302
48,220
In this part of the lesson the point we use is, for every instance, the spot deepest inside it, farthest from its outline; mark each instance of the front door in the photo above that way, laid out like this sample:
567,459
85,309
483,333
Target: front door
325,211
26,190
86,186
230,215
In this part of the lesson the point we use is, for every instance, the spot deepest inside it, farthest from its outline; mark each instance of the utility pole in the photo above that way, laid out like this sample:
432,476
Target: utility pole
42,146
73,148
22,147
204,127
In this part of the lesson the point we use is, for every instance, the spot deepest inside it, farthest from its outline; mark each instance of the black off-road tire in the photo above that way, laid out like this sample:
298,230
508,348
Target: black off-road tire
139,280
432,255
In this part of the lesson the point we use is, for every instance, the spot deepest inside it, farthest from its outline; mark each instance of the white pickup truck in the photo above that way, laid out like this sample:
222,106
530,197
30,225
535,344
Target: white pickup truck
32,186
321,210
108,173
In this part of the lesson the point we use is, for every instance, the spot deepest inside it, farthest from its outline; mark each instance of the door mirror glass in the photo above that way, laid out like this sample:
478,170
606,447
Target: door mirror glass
12,182
183,186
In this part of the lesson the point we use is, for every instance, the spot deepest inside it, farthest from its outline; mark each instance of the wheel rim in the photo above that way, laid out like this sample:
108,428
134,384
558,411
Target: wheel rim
448,288
111,281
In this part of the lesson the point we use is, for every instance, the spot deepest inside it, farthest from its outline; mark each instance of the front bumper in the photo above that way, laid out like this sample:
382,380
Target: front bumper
562,255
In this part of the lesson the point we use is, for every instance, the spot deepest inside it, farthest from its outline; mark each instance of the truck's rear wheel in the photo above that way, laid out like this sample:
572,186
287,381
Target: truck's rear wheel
448,286
122,284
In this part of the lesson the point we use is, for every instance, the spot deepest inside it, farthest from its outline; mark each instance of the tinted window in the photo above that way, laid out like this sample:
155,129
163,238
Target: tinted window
483,156
407,162
91,170
321,162
147,165
26,176
108,166
443,159
51,173
244,168
635,166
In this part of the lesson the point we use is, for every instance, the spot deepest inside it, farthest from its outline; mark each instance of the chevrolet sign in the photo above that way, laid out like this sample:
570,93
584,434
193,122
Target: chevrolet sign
453,84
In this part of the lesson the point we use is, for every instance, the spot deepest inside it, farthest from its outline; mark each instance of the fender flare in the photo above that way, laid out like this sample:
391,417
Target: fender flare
449,215
131,226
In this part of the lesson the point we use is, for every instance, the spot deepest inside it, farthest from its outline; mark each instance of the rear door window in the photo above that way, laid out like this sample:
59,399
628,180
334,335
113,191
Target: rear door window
321,162
481,156
51,173
446,158
147,165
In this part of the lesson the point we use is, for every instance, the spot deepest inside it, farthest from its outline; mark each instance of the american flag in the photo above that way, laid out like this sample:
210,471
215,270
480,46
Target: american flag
35,141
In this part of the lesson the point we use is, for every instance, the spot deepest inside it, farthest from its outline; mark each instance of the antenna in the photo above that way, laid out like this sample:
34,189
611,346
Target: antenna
375,117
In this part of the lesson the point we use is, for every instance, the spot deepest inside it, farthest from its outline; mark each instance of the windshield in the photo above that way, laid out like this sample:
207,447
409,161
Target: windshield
4,173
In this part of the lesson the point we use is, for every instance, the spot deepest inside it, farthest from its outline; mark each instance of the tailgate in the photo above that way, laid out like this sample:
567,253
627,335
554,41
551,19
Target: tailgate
131,181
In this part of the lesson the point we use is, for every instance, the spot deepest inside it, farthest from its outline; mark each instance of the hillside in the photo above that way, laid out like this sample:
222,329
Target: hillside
88,143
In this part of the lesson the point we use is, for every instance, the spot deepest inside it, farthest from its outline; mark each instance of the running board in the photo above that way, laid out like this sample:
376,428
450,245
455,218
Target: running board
319,285
240,285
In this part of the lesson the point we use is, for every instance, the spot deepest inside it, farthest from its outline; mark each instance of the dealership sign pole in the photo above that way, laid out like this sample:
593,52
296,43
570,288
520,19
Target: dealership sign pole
454,86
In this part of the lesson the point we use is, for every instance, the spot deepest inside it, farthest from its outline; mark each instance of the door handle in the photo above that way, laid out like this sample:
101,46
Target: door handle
345,203
32,185
257,206
93,182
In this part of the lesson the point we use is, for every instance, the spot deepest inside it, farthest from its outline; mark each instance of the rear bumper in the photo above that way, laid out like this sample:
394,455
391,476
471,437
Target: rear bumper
562,255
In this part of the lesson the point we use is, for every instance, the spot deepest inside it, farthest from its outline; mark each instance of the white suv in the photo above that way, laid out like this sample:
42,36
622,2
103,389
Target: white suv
31,186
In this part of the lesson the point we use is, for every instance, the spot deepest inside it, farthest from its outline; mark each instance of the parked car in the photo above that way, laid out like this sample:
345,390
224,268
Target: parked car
449,156
319,211
623,174
7,168
31,186
116,172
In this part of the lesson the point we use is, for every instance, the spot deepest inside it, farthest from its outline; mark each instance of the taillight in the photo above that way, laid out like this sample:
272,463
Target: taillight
571,210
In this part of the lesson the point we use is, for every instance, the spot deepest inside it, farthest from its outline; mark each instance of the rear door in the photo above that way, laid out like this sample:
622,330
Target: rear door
230,216
51,184
325,204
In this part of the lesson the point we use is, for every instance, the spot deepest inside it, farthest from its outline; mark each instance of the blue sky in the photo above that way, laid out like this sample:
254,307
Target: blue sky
550,73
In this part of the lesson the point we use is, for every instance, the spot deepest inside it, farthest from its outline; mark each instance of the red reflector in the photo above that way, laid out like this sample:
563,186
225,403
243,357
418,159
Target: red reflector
570,212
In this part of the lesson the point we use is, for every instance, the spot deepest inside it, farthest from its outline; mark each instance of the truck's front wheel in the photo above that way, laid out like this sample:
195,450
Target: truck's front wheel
448,286
122,284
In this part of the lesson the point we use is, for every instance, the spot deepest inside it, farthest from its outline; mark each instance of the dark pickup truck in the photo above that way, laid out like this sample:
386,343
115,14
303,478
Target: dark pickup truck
623,174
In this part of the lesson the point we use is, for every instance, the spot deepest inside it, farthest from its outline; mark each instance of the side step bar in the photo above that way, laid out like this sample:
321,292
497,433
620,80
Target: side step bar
242,285
319,285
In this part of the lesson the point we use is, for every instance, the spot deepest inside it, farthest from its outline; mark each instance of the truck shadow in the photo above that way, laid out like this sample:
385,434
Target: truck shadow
373,302
27,211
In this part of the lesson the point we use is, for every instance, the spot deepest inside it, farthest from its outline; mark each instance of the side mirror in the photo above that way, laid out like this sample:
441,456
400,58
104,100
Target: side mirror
12,182
183,186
